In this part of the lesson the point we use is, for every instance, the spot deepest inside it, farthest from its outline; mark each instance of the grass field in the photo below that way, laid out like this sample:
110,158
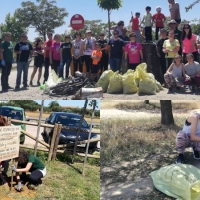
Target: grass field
63,181
132,148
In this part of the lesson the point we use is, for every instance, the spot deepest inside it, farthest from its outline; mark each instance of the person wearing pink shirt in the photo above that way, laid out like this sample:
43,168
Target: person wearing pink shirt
188,41
134,52
54,54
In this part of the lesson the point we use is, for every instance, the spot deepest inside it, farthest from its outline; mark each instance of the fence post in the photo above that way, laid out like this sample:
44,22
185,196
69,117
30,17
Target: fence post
56,142
9,121
52,142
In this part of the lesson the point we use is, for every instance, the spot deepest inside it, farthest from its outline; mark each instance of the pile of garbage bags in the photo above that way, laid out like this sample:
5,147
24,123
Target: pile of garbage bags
138,81
57,86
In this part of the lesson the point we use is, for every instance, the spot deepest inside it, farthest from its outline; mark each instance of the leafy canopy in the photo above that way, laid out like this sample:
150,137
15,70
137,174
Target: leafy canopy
109,4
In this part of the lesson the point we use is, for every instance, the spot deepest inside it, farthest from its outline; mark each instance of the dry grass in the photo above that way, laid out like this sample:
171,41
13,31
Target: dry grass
45,115
154,105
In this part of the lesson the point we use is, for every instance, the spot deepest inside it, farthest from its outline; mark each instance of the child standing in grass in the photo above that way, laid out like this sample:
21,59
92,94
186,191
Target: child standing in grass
96,57
147,21
175,75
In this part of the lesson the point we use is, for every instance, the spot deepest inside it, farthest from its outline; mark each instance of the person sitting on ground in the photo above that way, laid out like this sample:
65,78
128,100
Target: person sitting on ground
191,69
29,163
175,75
159,19
134,52
147,21
189,136
3,164
170,48
96,57
188,40
38,61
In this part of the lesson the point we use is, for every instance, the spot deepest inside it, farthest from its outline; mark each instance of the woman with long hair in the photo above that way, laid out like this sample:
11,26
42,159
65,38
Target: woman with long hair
189,42
38,62
29,163
175,75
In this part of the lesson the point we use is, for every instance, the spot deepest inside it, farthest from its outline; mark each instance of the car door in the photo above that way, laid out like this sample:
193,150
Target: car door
49,121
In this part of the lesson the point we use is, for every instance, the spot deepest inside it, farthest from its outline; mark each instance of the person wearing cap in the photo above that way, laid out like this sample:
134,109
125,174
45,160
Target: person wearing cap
66,56
89,43
174,10
24,52
6,61
116,48
47,46
77,52
160,53
135,25
38,61
134,52
147,21
177,33
159,19
170,48
105,57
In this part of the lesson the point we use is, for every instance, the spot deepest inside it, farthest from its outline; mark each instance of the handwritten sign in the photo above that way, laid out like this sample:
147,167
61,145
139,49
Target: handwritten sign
9,142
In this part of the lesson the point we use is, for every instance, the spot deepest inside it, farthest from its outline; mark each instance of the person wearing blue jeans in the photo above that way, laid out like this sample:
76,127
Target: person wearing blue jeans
116,48
66,57
24,51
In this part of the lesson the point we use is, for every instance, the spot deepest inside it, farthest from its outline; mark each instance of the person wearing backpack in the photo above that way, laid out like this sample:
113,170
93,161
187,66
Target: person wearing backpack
24,52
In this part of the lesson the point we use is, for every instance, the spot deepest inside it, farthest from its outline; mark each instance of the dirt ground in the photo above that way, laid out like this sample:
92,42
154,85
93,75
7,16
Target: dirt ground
131,180
36,93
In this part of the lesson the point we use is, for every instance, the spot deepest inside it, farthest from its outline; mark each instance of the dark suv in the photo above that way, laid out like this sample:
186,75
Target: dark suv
69,136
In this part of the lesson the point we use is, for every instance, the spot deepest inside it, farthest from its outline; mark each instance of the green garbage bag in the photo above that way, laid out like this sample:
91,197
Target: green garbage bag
104,80
147,86
129,85
178,180
115,86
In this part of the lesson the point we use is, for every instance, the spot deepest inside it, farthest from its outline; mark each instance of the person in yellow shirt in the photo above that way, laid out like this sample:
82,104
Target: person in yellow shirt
96,57
170,48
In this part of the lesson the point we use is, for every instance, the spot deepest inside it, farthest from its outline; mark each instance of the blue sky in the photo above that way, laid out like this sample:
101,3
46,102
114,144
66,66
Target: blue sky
77,103
90,11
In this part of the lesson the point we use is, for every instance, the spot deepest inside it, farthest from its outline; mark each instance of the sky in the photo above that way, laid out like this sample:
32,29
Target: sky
77,103
90,11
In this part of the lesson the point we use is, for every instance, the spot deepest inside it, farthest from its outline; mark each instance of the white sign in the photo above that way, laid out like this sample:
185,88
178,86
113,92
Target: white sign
77,21
9,142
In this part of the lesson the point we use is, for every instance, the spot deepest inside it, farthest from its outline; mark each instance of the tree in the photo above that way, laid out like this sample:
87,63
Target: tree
166,112
191,5
15,26
53,104
109,5
44,17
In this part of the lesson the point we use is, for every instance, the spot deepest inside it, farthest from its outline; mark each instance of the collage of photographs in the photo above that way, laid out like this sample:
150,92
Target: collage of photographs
99,100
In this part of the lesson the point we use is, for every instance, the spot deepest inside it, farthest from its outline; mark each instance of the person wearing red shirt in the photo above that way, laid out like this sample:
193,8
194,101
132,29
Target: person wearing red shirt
135,25
159,20
47,46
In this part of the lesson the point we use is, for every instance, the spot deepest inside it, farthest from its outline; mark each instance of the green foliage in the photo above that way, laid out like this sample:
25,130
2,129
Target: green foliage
44,17
13,25
109,4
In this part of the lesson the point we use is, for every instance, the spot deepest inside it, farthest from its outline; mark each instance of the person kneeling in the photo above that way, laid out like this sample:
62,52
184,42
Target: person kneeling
96,57
189,136
29,163
175,75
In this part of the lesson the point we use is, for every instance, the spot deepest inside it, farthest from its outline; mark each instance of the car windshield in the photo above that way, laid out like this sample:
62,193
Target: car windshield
14,114
70,121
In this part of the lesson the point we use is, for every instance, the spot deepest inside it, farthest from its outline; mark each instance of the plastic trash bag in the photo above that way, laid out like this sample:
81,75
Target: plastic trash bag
129,85
147,86
115,85
159,85
104,80
178,180
141,70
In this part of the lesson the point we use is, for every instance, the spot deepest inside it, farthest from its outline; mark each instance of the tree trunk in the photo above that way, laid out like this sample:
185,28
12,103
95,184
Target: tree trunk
109,24
44,36
166,112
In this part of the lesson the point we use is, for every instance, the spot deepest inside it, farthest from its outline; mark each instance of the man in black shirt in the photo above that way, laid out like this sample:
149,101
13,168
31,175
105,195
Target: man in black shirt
116,47
160,53
24,51
177,33
104,58
124,37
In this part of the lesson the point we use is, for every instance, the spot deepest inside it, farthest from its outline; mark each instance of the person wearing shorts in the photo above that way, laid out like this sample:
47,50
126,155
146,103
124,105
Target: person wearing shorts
29,163
96,57
38,62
